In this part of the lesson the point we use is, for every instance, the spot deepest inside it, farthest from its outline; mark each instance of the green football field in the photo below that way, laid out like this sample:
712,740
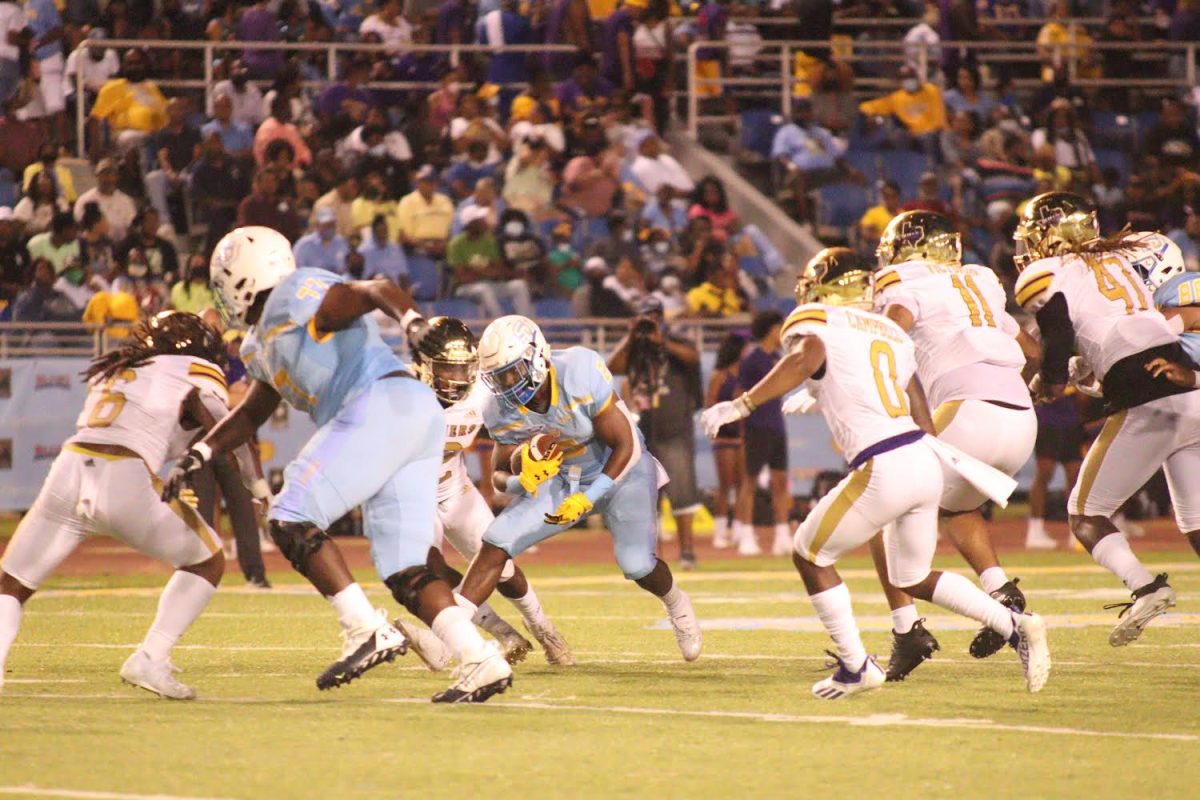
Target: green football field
632,720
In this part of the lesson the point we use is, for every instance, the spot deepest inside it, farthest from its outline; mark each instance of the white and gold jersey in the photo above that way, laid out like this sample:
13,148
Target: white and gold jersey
1111,308
139,408
965,340
869,361
464,420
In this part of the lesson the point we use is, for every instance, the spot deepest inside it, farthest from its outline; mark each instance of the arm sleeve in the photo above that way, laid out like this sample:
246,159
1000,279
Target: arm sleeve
880,107
1058,339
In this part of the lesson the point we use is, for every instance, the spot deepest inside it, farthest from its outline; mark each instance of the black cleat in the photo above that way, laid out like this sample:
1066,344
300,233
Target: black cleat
475,682
909,650
987,642
381,646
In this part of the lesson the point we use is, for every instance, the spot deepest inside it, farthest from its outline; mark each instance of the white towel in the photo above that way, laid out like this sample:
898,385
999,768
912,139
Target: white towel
987,479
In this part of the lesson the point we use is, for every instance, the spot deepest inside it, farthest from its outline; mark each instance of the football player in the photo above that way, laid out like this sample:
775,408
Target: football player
860,367
378,445
146,402
970,358
448,362
1086,293
1176,291
599,463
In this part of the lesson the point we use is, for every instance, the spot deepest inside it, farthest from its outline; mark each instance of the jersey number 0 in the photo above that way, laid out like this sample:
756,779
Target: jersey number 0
883,364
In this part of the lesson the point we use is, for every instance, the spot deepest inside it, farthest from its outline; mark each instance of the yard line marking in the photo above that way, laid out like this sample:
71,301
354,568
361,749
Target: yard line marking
937,622
11,681
871,720
39,791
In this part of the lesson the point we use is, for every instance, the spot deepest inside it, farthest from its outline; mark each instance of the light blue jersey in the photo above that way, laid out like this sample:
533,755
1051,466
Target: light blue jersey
314,374
581,388
1178,292
379,440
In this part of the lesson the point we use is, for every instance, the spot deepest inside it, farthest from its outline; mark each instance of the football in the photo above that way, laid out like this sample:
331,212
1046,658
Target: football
541,447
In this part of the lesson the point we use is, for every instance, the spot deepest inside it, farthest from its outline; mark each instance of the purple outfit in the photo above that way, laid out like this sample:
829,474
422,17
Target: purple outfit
330,101
573,97
618,22
755,366
261,25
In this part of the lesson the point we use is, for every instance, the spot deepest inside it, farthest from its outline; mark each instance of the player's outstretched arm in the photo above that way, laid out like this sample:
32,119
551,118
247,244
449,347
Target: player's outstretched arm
901,316
346,302
1058,342
245,458
795,368
1032,350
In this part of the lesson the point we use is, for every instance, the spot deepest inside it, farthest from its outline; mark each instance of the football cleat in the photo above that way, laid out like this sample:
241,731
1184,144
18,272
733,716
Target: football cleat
1150,601
909,650
1040,540
723,538
987,642
516,648
687,562
687,629
844,682
783,545
1033,648
558,654
476,681
367,646
425,644
155,676
748,544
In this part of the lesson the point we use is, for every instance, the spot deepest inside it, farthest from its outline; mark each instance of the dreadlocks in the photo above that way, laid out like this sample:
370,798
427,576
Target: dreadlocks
170,333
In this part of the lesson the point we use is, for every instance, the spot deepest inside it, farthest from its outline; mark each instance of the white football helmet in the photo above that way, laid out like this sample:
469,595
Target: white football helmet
514,359
248,261
1158,258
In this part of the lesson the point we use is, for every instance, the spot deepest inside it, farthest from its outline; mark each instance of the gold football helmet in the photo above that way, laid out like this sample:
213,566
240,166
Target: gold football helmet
837,276
448,361
1052,224
922,235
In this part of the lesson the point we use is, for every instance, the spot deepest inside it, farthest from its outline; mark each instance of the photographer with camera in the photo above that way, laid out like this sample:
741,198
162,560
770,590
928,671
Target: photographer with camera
663,390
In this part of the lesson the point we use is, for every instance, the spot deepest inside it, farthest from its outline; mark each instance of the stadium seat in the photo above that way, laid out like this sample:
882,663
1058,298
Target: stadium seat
1117,159
842,204
868,162
754,266
758,126
426,277
553,308
1113,130
905,168
456,307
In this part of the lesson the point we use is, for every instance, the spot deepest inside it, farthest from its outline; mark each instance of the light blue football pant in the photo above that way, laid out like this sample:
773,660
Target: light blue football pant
630,511
382,451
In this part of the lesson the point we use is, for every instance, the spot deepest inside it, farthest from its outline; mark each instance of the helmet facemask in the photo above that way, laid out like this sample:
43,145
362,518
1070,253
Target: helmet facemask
516,383
451,377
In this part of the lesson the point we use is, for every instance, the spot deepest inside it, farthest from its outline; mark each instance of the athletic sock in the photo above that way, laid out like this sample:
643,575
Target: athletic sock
1036,528
904,617
742,530
720,528
1113,553
353,607
184,597
834,610
531,608
10,623
491,622
783,531
454,627
675,600
957,594
992,579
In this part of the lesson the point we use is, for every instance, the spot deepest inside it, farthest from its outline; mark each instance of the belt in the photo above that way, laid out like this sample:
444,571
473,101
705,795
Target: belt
884,446
1002,404
108,452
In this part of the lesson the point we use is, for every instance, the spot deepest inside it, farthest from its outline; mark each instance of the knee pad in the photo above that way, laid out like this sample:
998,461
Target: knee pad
297,546
407,584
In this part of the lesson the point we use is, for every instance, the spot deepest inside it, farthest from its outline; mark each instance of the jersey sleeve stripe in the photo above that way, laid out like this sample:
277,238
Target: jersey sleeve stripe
282,327
886,281
319,338
1033,288
213,374
807,318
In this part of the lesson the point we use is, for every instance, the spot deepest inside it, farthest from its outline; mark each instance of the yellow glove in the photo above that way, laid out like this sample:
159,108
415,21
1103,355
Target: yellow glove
534,473
571,510
188,498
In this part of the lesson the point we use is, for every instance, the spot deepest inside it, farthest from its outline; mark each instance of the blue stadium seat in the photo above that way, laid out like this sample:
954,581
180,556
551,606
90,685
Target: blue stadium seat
754,266
553,308
868,162
905,168
1106,158
8,188
1110,129
758,130
426,277
842,204
456,307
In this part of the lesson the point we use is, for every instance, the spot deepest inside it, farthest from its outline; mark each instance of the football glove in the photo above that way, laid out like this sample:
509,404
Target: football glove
801,402
714,418
180,476
534,472
570,510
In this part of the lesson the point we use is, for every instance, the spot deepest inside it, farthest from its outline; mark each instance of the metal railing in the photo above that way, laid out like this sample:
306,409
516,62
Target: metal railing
51,339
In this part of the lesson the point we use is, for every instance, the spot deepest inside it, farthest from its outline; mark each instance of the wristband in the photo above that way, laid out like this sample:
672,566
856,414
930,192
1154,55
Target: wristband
409,317
513,485
204,451
260,489
600,487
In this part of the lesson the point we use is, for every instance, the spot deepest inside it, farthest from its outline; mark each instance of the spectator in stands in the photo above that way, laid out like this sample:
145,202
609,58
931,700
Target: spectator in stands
570,23
340,200
484,197
720,295
499,27
324,248
96,251
132,106
876,218
462,176
585,92
540,92
928,198
917,107
425,216
591,182
1187,237
443,101
616,44
1060,440
924,37
390,25
346,102
1063,39
621,241
279,126
218,184
236,137
709,201
1177,188
58,244
521,251
809,156
191,292
46,27
265,207
381,254
259,23
959,22
539,123
966,96
479,273
39,205
159,254
60,175
288,85
97,64
1173,137
654,60
655,169
118,207
373,202
529,180
564,262
14,258
372,140
1072,149
601,294
245,98
113,310
41,302
177,146
14,43
473,125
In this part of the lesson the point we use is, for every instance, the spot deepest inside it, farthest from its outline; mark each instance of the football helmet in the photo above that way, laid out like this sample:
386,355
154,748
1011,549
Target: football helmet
514,359
1052,224
448,360
922,235
1158,258
246,262
837,276
179,333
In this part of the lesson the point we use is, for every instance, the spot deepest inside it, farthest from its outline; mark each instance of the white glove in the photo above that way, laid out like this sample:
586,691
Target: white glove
801,402
1081,375
714,418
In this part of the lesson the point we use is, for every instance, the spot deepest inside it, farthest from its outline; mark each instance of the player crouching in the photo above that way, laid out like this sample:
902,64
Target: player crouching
598,462
448,362
147,400
861,366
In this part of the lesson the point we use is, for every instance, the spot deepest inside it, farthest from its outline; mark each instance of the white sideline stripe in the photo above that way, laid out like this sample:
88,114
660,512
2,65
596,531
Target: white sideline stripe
870,721
38,791
12,681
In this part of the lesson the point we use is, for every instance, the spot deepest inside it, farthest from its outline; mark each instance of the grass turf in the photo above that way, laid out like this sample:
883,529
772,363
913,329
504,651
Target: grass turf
630,720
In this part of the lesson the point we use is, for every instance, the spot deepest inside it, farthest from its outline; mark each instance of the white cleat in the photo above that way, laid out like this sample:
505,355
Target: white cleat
1150,601
428,647
783,545
687,629
374,642
748,544
1040,541
843,682
558,654
722,538
1033,648
155,676
476,681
